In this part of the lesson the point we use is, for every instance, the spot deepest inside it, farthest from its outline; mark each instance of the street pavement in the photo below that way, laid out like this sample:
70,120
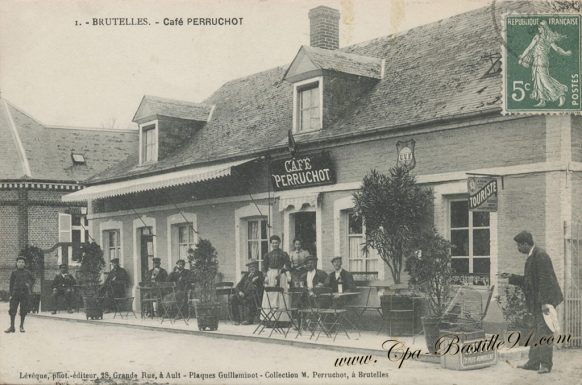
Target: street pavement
109,354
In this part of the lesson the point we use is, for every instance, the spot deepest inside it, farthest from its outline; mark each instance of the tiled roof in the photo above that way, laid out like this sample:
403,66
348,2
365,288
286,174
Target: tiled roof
153,105
48,149
433,72
348,63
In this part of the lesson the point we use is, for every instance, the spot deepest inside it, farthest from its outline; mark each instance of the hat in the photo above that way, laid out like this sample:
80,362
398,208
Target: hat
180,262
20,257
63,265
310,258
115,260
156,260
252,262
524,237
334,258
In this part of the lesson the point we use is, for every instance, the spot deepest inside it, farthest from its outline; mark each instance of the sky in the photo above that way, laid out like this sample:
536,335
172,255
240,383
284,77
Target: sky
95,76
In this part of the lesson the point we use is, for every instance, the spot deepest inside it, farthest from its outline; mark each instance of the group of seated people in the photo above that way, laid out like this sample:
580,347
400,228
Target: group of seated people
281,270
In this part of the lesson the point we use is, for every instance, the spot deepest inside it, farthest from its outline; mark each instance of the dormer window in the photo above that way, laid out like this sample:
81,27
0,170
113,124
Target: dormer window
149,143
308,114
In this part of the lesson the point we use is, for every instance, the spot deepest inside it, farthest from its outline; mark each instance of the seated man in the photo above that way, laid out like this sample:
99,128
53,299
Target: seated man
312,277
63,287
340,277
115,284
247,292
183,279
157,274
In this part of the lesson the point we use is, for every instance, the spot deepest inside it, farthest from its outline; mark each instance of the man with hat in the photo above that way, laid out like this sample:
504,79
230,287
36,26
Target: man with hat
21,283
63,287
157,274
542,295
183,279
248,295
116,283
313,277
340,278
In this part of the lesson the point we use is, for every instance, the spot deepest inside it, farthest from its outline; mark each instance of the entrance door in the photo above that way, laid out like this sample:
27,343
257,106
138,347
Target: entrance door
146,250
306,231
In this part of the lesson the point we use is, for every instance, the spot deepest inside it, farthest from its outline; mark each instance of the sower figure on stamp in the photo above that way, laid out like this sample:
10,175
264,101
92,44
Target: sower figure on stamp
115,284
248,295
542,295
21,283
63,287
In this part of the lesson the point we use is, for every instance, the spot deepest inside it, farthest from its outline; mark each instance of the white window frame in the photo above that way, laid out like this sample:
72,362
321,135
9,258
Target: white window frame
116,247
297,88
142,131
240,220
260,240
105,227
81,228
177,220
371,255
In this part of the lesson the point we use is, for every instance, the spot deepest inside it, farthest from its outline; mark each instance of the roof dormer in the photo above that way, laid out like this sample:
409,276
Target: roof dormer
166,124
326,82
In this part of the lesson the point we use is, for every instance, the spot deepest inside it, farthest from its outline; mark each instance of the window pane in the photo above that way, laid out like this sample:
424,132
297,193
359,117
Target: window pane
112,239
460,265
355,224
459,214
460,239
264,248
481,265
305,119
263,229
481,242
480,219
76,220
76,235
314,98
253,227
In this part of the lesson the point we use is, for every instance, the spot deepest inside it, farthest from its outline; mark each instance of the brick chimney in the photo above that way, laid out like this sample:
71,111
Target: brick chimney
324,27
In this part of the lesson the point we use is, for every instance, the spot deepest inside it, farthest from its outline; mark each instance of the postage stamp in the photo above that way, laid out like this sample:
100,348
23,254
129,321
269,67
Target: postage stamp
542,64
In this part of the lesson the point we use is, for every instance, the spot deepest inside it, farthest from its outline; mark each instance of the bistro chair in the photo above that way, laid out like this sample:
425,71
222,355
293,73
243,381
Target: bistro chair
123,306
311,316
225,290
279,311
150,294
359,311
171,309
331,318
266,310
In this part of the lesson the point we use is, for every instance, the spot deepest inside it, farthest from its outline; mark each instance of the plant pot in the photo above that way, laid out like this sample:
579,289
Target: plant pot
93,307
431,327
402,313
207,316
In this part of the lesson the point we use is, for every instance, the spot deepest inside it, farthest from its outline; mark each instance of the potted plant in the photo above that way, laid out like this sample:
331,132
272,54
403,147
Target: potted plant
515,313
204,268
394,209
89,277
34,258
430,274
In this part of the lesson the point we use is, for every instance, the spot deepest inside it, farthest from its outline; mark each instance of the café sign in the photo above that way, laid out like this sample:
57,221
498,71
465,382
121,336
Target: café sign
302,171
482,193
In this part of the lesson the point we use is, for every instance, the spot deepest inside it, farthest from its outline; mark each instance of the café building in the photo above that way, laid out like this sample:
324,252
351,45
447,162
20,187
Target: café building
282,152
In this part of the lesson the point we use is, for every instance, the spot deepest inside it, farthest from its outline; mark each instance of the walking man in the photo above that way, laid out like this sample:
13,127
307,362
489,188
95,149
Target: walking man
21,282
542,295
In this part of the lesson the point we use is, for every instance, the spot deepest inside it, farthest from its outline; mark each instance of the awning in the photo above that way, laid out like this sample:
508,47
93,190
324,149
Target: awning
154,182
297,200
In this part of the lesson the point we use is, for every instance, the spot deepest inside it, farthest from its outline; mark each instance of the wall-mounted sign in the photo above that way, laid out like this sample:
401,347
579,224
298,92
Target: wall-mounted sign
302,171
482,193
405,152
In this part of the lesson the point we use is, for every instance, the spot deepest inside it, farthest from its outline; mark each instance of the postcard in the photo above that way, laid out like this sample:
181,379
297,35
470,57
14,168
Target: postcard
297,192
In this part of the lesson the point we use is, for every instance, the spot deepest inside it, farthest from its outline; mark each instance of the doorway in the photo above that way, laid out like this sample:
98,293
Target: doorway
146,250
306,230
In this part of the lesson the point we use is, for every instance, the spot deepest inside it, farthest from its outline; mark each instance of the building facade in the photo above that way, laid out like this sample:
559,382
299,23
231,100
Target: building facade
429,97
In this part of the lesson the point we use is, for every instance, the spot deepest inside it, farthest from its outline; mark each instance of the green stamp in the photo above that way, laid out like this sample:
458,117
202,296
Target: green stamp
542,64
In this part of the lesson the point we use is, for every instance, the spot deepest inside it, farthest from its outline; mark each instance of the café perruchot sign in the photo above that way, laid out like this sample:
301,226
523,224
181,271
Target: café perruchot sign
302,171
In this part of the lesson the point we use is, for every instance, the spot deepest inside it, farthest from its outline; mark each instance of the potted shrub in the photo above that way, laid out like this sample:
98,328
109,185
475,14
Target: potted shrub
89,277
515,313
430,274
204,268
394,209
34,258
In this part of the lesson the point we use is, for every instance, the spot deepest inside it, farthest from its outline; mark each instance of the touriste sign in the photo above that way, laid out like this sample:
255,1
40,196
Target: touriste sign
302,171
482,193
